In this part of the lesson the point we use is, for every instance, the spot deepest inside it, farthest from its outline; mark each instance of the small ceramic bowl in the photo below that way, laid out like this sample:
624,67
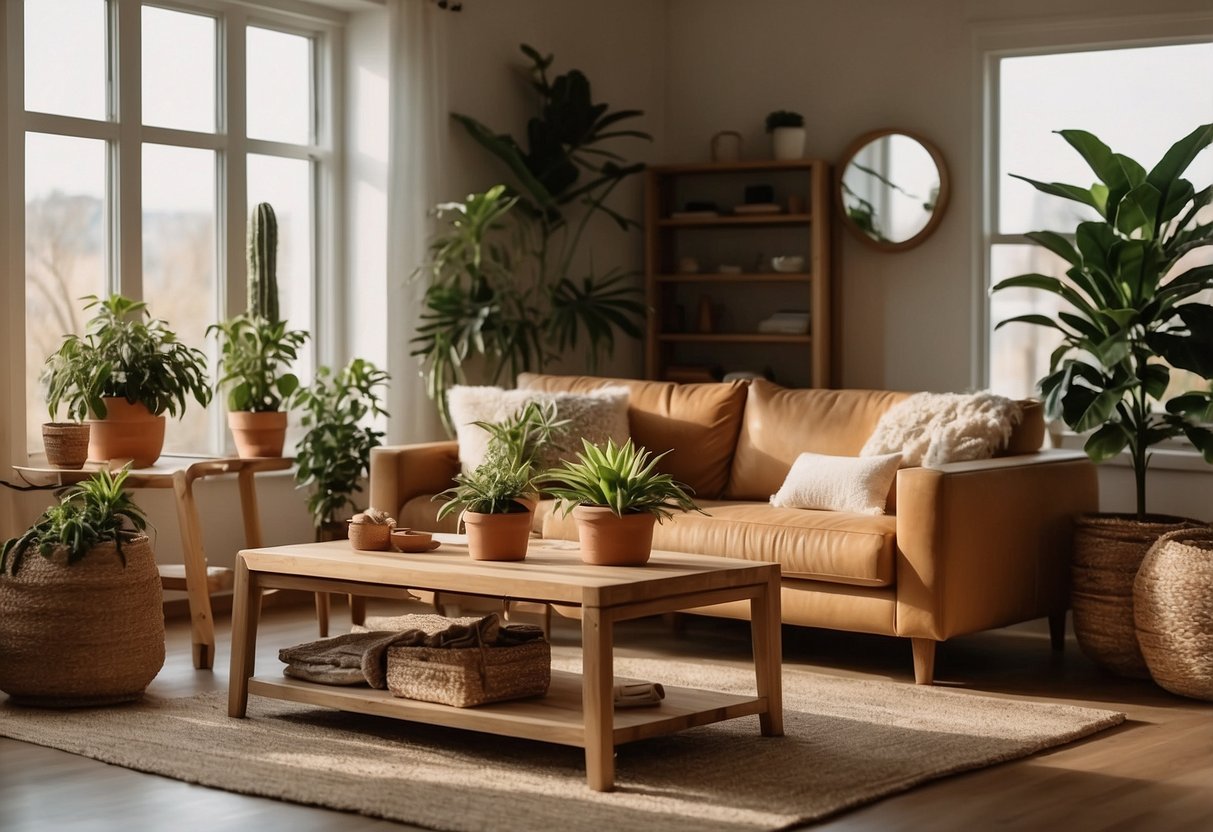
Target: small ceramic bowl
787,264
407,540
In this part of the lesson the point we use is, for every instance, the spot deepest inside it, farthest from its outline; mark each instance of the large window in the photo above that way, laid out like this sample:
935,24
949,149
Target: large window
150,130
1138,101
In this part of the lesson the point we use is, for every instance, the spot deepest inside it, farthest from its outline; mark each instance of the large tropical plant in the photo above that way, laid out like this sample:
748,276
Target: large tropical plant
504,281
1130,318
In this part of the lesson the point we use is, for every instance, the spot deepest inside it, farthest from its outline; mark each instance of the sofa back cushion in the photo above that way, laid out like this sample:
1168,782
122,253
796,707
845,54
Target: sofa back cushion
697,423
780,424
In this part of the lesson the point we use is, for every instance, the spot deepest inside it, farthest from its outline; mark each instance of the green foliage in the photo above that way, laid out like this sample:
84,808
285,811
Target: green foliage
783,118
517,439
621,478
254,354
335,453
263,263
124,353
501,271
1130,319
96,511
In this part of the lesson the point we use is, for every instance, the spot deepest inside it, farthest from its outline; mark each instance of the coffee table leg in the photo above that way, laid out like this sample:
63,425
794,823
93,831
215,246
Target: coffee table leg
598,703
765,624
246,614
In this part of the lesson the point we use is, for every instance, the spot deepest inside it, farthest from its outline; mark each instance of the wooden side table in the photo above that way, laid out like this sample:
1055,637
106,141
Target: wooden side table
179,473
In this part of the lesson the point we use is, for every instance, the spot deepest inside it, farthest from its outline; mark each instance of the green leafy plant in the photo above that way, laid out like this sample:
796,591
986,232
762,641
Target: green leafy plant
93,512
621,478
124,353
518,439
1130,320
253,354
501,271
783,118
335,452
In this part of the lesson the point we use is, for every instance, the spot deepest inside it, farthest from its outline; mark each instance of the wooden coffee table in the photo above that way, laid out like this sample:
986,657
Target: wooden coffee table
578,709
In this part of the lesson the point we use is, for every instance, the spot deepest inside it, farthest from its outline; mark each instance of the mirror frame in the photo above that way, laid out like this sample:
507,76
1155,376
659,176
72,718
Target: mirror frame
941,203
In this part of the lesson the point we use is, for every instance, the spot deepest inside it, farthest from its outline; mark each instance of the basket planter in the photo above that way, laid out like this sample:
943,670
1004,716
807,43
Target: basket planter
258,434
370,537
498,536
1173,609
66,444
128,431
610,540
91,633
1108,549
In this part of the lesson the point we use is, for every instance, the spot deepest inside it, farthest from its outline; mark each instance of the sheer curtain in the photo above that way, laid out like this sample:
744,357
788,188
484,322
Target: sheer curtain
417,137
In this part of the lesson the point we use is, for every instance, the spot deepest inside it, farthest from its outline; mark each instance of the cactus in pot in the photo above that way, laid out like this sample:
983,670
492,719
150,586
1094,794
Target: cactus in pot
263,262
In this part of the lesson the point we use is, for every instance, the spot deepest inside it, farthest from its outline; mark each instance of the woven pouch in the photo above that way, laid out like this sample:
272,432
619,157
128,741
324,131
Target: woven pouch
468,676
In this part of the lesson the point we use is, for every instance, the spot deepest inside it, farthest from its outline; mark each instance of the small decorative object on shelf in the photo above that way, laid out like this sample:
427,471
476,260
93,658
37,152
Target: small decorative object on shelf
788,264
785,322
66,444
787,134
726,146
371,530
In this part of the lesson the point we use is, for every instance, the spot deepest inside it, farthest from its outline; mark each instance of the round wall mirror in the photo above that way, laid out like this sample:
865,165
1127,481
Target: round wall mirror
892,189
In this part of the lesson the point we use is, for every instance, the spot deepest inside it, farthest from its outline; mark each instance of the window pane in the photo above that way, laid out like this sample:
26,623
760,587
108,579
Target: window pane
279,86
1019,353
178,70
286,184
65,253
65,61
179,261
1170,94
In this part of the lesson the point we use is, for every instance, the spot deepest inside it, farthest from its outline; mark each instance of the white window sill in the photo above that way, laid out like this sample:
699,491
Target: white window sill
1173,456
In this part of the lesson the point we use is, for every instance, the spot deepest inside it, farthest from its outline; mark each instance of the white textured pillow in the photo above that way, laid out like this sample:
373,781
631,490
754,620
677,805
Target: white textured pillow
596,416
932,429
838,483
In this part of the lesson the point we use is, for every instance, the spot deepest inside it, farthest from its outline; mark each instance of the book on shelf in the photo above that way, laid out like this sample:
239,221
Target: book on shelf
786,322
691,373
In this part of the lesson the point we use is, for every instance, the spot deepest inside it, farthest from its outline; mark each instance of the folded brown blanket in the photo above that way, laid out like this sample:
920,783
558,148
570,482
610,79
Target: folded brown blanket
361,657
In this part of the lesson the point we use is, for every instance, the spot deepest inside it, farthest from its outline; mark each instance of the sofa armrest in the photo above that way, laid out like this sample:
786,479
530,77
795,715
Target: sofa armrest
984,544
401,472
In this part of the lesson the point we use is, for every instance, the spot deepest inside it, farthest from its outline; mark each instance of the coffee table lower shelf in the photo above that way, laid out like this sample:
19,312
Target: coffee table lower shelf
556,717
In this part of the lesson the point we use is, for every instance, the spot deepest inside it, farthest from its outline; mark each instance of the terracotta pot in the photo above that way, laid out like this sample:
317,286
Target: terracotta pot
66,443
128,431
370,537
498,536
1108,550
258,434
91,633
610,540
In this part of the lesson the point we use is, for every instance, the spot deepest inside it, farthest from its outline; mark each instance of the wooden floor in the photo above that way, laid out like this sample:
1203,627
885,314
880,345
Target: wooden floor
1153,773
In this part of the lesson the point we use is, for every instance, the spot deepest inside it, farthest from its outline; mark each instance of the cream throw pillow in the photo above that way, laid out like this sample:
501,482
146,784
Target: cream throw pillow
932,429
856,484
596,416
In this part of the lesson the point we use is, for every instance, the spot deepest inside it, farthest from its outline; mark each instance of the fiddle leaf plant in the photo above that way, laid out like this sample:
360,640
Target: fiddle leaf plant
1129,319
335,452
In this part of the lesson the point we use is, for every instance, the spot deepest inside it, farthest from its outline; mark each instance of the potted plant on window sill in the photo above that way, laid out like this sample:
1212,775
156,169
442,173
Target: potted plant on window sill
125,372
81,609
616,496
1128,322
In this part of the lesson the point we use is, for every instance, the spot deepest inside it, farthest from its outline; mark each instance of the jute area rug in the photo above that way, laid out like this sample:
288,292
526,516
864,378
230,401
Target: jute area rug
848,742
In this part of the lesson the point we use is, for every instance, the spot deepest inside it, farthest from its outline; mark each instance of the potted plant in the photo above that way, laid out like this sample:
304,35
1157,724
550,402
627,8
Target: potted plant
491,499
371,530
126,372
81,609
1129,322
256,349
518,440
334,453
616,496
787,134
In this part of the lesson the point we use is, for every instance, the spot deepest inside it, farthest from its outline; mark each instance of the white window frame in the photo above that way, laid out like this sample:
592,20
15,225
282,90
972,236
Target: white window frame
994,42
124,131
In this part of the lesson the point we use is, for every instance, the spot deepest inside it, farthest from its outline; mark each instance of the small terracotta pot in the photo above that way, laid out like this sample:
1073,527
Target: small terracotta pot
258,435
128,431
610,540
370,537
498,536
66,443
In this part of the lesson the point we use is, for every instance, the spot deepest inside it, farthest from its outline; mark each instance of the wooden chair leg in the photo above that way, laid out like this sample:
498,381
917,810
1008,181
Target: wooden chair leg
357,609
322,613
924,660
1057,630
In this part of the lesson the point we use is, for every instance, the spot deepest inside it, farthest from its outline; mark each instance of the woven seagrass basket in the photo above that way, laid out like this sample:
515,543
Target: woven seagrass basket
1173,608
468,676
1108,549
89,633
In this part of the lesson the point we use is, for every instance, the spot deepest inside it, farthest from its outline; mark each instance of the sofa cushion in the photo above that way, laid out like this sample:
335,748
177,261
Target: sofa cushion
832,546
780,424
858,484
697,423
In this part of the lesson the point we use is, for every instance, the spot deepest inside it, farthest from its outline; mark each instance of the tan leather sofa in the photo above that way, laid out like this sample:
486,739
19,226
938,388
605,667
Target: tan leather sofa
962,548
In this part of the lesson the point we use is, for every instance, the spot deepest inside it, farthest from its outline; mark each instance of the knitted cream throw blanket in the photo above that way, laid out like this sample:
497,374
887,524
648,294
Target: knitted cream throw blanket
932,429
